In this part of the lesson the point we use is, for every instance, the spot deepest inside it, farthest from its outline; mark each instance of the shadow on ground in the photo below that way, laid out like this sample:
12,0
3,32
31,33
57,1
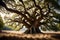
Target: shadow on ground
20,38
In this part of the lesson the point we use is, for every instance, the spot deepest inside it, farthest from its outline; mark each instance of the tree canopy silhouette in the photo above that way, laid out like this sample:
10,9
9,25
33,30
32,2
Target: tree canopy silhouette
37,14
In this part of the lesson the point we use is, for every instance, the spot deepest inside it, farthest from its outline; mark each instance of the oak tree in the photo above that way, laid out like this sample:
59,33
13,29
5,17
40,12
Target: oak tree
35,14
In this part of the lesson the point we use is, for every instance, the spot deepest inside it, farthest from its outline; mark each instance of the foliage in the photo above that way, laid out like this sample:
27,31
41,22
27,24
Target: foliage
33,14
1,23
54,3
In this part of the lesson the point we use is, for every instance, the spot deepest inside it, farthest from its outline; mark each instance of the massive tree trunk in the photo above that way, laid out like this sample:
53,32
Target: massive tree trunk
33,30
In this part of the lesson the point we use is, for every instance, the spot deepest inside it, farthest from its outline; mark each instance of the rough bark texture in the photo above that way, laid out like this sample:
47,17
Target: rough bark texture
33,30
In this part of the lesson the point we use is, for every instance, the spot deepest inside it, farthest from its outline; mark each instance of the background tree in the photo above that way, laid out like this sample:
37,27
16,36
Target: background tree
33,13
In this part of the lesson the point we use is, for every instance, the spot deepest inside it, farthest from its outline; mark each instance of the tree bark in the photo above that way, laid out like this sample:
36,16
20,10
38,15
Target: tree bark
33,30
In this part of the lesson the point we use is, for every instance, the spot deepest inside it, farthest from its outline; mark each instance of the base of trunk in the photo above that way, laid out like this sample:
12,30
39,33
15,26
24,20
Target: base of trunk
33,30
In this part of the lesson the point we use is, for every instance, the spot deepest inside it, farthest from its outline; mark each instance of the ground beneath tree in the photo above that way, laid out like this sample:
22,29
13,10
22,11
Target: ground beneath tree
15,36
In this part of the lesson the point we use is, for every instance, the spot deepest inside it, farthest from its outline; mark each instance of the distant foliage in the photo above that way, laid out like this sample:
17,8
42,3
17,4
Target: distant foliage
1,23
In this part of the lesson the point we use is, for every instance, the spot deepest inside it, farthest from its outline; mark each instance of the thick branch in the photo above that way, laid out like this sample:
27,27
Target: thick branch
38,20
41,12
26,24
22,21
34,13
25,11
38,8
11,10
15,11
